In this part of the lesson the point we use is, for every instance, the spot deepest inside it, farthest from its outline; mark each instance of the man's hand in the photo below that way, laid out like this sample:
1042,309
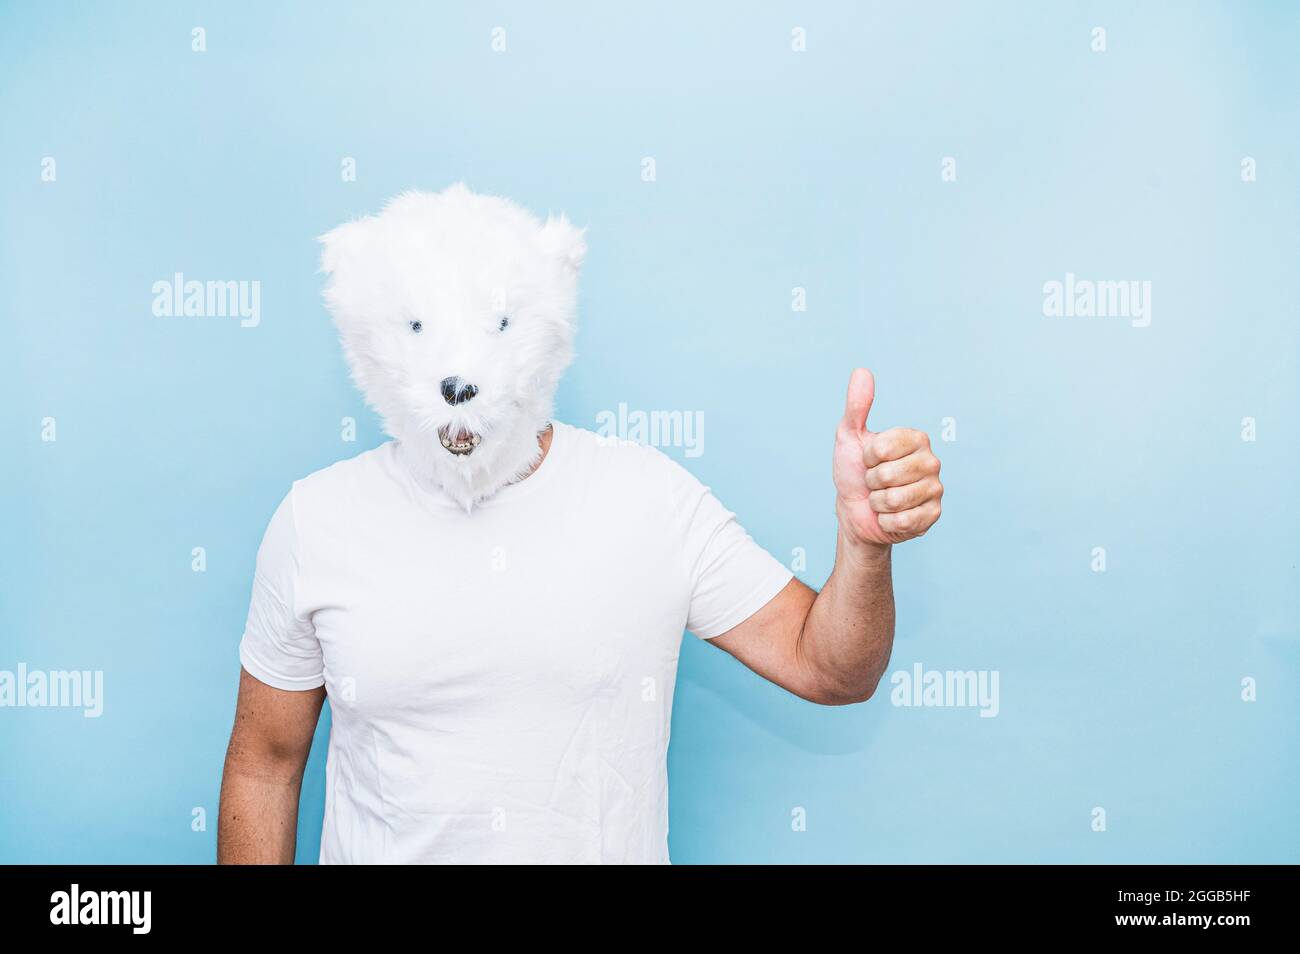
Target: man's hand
887,482
832,647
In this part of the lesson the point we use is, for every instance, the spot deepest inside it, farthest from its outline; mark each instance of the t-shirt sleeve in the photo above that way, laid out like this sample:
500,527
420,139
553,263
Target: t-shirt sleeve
732,577
279,646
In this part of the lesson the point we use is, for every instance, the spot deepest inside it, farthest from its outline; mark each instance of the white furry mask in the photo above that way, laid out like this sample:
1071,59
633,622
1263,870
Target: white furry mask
456,313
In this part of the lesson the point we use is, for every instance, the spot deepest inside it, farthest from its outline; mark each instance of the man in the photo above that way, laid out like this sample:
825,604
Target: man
494,601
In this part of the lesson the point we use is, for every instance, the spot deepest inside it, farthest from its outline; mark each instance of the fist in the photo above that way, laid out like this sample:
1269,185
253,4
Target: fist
886,482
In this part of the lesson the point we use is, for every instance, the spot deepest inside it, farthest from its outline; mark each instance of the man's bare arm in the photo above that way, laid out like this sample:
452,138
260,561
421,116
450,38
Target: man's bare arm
832,647
263,774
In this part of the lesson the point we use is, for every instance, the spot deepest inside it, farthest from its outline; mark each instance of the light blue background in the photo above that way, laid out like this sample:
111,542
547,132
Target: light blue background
776,169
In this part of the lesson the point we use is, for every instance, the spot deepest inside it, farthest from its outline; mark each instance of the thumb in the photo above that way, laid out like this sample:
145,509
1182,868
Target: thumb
862,391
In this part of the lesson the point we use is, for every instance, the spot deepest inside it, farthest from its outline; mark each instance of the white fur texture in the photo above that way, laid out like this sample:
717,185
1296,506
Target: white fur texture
458,263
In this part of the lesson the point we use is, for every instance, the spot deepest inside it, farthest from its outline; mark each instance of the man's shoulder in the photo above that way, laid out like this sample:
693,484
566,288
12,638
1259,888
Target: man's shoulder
642,478
611,451
343,479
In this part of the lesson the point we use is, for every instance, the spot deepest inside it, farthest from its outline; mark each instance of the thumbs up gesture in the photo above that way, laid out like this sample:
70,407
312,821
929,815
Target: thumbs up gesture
886,482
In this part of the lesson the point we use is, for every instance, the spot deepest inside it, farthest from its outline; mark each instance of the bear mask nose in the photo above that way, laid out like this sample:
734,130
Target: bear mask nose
455,391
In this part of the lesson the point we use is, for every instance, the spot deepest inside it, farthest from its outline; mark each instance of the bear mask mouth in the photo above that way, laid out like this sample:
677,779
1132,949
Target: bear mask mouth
459,442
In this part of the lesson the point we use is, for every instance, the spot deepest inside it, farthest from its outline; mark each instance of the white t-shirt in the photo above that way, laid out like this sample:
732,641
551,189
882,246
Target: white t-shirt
501,681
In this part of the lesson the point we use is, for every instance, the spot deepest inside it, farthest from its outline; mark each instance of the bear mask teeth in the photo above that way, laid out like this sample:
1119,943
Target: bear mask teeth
460,443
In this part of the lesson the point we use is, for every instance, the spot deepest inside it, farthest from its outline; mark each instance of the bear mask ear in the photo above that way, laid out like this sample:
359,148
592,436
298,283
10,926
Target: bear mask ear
565,241
342,243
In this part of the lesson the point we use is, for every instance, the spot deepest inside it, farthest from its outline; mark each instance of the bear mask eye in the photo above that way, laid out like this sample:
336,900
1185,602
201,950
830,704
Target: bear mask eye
505,323
417,326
